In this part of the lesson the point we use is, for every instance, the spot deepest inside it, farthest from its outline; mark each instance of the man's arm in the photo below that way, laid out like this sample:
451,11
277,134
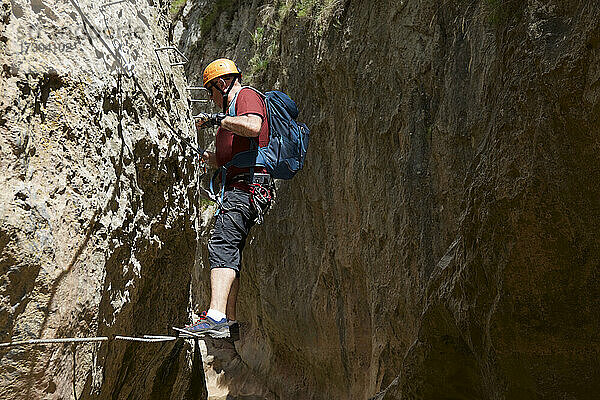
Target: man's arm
243,125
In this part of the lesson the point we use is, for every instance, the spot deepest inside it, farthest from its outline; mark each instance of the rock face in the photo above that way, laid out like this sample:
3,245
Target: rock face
442,239
98,203
440,243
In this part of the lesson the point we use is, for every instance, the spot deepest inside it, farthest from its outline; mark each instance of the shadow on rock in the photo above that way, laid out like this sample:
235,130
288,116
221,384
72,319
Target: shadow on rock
228,377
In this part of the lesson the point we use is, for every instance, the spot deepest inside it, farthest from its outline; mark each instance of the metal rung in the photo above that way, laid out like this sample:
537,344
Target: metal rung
157,49
198,88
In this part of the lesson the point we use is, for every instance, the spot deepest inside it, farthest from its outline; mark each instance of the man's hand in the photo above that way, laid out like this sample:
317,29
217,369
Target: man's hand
209,120
209,158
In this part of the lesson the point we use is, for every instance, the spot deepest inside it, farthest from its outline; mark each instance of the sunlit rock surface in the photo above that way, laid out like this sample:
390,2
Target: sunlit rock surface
98,203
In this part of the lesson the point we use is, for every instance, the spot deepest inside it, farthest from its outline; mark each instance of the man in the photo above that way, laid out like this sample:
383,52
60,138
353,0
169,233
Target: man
243,125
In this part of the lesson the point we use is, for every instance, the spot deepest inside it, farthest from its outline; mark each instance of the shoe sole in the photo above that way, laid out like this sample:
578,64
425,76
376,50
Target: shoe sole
211,333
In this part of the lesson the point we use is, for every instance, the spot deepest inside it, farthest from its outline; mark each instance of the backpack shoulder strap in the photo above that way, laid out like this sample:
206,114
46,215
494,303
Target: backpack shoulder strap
231,109
245,159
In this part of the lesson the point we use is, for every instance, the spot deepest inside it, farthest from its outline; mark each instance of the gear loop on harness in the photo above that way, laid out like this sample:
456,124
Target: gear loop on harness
260,199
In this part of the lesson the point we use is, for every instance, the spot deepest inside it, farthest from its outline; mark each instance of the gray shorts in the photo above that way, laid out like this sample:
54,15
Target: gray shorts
231,229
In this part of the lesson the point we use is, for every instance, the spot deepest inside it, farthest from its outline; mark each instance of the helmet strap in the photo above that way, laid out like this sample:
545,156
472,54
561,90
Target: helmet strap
225,94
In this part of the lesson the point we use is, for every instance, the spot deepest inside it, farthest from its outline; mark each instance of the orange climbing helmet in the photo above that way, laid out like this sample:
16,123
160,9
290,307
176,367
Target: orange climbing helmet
219,68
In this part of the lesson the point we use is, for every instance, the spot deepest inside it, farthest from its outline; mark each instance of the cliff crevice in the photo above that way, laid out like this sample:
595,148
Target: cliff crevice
439,241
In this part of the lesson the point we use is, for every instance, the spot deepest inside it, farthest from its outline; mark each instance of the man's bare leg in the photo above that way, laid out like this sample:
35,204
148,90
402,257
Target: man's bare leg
231,300
221,280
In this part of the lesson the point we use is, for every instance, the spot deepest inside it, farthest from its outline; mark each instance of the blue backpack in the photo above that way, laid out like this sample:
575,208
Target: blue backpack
288,141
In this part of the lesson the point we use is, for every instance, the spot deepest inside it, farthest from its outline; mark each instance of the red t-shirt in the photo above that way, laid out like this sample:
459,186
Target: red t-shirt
229,144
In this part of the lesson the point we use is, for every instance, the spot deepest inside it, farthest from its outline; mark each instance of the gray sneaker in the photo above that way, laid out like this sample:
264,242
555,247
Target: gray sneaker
208,326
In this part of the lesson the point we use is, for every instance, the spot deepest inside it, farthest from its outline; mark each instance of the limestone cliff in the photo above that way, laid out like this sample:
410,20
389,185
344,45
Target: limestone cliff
98,202
442,239
441,242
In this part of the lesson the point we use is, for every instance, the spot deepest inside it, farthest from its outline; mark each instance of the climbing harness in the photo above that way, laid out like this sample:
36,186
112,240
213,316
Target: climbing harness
261,191
285,152
260,199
